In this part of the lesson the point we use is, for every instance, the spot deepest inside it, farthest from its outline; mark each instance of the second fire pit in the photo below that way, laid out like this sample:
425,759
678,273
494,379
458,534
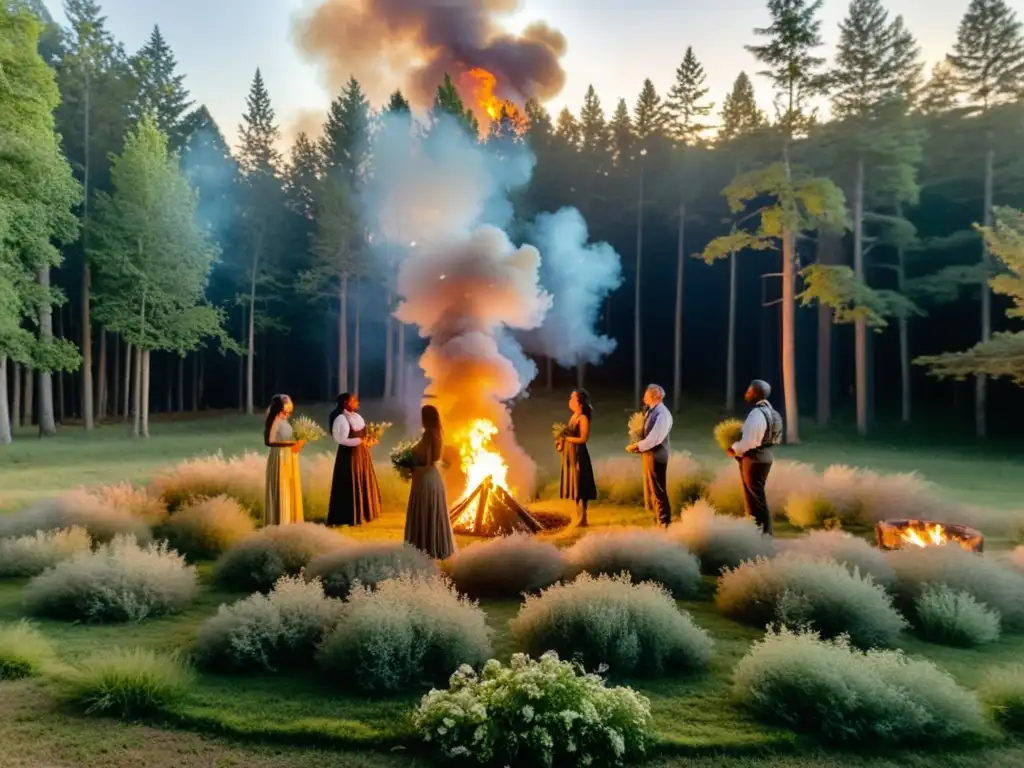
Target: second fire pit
904,534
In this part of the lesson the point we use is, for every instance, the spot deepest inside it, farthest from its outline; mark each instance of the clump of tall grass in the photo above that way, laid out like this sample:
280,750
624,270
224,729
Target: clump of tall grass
810,592
849,550
642,554
126,683
203,530
1002,692
985,579
119,581
280,629
942,615
368,564
75,509
137,502
620,479
24,651
634,629
505,567
408,632
256,562
243,478
719,541
22,556
787,478
846,695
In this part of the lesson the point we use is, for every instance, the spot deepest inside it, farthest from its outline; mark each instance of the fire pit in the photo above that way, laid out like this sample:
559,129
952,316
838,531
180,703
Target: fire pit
490,510
902,534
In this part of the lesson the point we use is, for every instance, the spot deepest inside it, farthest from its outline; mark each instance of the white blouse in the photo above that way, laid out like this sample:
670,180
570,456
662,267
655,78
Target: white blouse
347,423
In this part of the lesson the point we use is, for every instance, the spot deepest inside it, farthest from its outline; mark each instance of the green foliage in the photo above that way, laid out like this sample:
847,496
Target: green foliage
740,114
162,91
650,116
988,56
448,101
346,142
686,103
851,299
206,529
1002,692
30,555
719,541
75,509
945,616
506,567
642,555
368,564
24,651
258,561
844,548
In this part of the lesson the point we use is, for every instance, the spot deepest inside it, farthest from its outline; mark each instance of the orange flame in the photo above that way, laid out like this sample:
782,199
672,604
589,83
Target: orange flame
487,106
922,535
479,459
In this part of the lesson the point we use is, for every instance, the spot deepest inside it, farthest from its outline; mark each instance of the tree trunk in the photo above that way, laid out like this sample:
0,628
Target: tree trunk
241,366
829,254
981,382
47,423
860,326
730,344
904,333
116,380
343,332
389,352
87,420
356,339
637,350
789,337
28,392
145,393
400,362
137,394
6,429
16,406
197,388
101,378
128,358
60,374
677,372
250,361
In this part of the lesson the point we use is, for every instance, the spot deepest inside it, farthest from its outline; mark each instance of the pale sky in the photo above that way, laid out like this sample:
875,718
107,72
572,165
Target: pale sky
613,44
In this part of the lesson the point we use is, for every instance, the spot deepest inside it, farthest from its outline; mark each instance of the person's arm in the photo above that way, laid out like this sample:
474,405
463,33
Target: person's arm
271,443
658,434
584,423
753,433
340,432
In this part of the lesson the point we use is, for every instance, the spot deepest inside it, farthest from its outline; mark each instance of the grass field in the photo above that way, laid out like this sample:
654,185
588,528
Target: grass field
295,720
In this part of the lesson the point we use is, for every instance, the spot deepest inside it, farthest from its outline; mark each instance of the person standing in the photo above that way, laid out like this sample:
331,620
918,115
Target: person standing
355,493
577,469
427,525
654,449
282,502
762,430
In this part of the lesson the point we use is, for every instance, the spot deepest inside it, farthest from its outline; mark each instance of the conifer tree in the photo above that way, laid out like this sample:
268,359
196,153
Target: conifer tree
687,104
567,128
397,103
448,101
623,137
940,92
161,87
650,117
740,113
346,139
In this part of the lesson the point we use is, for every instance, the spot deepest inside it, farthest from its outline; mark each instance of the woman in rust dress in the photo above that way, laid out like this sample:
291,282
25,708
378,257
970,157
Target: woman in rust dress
427,525
578,481
355,493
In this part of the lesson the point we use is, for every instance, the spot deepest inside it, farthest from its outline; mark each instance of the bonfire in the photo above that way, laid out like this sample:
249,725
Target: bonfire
905,534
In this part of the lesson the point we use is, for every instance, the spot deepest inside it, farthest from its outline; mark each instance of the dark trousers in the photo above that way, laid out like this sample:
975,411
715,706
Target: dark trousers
655,493
755,500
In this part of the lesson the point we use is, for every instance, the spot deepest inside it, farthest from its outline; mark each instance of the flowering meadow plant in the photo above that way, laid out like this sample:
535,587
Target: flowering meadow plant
542,712
307,430
403,459
635,427
375,431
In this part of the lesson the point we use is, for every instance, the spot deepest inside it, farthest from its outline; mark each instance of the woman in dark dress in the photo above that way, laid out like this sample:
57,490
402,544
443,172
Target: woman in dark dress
577,470
355,494
427,525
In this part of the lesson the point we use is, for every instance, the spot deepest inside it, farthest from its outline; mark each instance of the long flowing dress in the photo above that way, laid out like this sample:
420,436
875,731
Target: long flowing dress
578,481
283,500
355,493
427,525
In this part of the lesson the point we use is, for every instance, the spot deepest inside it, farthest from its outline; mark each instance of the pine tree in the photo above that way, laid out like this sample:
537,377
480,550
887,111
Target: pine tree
623,137
988,64
346,140
162,89
448,101
594,136
650,118
567,128
940,92
211,169
687,103
397,103
740,113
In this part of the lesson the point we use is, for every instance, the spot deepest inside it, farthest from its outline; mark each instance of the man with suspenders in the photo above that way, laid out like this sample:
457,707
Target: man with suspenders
761,432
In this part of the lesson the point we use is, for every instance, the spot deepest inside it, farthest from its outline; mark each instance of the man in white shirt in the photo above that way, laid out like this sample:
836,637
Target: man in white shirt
761,432
654,449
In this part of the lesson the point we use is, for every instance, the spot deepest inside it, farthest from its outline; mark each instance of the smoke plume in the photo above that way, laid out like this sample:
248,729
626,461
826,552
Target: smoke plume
411,44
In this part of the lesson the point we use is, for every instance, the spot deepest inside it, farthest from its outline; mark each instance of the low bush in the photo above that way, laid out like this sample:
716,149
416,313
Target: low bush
75,509
137,502
256,562
807,592
634,629
942,615
1002,692
24,651
409,631
545,712
243,478
621,480
30,555
119,581
846,695
368,564
985,579
126,683
851,551
318,473
787,478
645,555
505,567
719,541
281,629
203,530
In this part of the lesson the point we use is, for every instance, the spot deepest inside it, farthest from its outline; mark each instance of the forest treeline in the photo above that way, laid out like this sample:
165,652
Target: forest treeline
146,265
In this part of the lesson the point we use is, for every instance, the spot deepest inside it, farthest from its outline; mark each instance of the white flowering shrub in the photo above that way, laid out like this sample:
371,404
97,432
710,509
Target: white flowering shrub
268,632
22,556
846,695
943,615
505,567
119,581
137,502
643,554
368,564
203,530
409,631
851,551
243,478
256,562
632,629
815,593
542,712
76,509
719,541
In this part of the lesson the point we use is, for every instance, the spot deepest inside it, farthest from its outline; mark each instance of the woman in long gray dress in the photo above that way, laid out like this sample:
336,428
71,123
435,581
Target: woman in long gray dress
427,525
283,497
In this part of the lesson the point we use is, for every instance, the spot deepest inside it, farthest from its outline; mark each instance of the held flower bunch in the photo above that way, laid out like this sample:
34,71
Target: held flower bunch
402,459
375,431
535,712
307,430
636,427
559,430
728,432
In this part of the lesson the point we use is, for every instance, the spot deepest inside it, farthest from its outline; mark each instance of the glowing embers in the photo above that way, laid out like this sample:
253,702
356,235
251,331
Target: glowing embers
903,534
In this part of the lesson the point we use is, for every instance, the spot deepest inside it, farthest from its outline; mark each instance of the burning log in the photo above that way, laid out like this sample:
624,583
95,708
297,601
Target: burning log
901,534
490,510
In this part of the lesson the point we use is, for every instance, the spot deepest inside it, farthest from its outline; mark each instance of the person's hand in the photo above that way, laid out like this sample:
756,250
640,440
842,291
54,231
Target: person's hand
298,446
559,445
731,453
632,448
